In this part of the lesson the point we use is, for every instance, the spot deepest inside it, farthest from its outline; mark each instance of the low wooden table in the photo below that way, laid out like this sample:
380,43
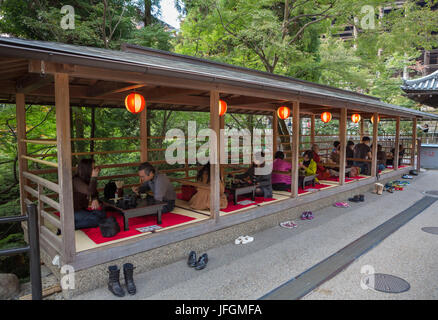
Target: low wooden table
237,191
142,209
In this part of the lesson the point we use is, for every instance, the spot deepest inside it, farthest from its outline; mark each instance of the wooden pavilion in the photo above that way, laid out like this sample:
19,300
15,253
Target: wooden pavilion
66,75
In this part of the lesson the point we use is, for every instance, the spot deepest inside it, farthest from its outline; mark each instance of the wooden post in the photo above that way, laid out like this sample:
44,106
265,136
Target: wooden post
414,141
22,147
374,150
214,165
62,103
274,133
295,148
221,147
361,133
312,130
418,155
397,143
343,141
143,136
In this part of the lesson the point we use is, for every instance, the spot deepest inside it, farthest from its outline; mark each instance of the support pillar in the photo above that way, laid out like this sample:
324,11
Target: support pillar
397,143
343,141
214,156
374,150
295,148
143,136
62,103
414,141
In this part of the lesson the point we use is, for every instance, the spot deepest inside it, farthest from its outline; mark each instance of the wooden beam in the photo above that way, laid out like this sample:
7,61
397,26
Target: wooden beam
397,143
104,87
214,167
22,147
374,151
32,82
343,147
62,99
414,140
295,147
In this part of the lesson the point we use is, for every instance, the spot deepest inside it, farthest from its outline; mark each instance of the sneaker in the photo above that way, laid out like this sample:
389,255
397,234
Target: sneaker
310,215
304,215
288,224
406,176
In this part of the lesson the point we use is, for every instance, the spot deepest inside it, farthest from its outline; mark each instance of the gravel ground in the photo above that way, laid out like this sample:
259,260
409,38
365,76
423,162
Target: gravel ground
277,255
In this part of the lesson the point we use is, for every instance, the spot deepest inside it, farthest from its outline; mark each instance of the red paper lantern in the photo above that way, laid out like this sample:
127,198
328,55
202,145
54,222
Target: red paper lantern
355,117
283,112
135,102
326,117
222,107
372,119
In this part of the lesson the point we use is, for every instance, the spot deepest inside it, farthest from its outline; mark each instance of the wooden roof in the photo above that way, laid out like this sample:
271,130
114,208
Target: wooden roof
101,78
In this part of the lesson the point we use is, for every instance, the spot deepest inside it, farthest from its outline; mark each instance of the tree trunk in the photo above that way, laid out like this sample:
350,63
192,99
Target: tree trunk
147,12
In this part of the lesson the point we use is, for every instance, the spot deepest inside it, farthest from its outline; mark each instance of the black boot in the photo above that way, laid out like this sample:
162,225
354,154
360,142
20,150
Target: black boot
128,271
114,281
202,262
361,198
356,198
191,262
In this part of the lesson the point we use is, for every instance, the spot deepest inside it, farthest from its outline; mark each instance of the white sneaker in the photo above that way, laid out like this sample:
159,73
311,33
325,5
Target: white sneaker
239,240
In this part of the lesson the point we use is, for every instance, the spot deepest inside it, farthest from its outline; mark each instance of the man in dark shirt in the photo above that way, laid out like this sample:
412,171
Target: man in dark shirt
363,151
158,183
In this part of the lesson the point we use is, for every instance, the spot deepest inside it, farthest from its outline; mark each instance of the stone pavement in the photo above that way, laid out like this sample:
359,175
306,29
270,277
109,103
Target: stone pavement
277,255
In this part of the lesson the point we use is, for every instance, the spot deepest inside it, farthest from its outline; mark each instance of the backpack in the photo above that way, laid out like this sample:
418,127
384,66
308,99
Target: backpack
109,227
110,190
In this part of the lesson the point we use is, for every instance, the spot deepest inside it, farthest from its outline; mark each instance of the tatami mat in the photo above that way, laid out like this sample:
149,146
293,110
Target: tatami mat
185,205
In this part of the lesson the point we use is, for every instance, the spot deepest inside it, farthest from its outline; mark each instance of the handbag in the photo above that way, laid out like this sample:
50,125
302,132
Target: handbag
109,227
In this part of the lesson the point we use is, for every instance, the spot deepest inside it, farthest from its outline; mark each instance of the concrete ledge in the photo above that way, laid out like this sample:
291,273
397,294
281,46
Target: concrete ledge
96,276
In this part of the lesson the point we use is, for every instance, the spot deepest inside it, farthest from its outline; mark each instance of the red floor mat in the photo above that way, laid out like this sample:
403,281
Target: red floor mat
232,207
168,219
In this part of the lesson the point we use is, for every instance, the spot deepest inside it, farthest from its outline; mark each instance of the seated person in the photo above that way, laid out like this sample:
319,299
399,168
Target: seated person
281,181
381,158
349,152
335,155
158,183
263,182
335,146
201,199
85,189
321,171
363,151
308,166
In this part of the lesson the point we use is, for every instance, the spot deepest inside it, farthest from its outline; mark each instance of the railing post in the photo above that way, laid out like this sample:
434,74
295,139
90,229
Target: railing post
418,155
34,253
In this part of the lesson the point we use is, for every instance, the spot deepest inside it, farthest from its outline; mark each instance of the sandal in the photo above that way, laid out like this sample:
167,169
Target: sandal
247,239
341,204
